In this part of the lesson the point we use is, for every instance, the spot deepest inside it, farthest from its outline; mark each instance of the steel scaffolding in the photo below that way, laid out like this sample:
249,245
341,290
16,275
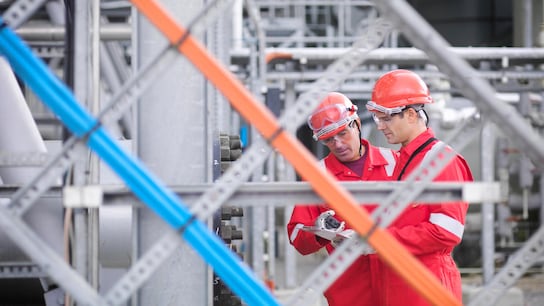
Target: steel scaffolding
306,61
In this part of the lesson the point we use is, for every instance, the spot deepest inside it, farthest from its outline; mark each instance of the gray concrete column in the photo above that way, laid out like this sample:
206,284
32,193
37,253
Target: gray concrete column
171,140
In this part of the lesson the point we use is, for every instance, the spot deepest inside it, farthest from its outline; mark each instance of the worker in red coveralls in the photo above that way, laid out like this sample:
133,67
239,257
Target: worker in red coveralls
429,232
335,123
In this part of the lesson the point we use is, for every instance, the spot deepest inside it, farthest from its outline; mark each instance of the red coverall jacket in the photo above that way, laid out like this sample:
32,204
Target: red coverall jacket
429,232
353,287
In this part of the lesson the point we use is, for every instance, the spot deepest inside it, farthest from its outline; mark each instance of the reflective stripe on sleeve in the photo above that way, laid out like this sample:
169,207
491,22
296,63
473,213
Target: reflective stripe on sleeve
388,155
448,223
295,231
322,163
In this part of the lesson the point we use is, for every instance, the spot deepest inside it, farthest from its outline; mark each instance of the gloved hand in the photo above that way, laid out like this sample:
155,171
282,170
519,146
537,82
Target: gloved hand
327,222
326,226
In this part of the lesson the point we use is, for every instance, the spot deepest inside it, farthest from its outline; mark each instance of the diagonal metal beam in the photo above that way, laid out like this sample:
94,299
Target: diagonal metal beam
47,259
20,11
517,265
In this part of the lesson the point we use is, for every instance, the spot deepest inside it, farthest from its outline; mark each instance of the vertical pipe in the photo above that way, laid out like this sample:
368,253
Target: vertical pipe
541,187
528,23
300,13
55,10
95,57
488,209
341,15
541,28
237,24
94,161
261,42
69,59
525,168
258,215
136,62
271,228
81,91
290,254
289,175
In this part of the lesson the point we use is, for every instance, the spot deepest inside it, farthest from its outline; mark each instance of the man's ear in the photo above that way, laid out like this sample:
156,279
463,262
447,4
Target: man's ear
412,115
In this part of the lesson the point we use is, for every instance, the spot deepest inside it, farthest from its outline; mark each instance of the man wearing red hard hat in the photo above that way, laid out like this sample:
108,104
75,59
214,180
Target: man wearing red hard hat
335,124
429,232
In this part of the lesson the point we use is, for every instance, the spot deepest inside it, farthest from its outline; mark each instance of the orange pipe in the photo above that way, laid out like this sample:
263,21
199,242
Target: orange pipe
277,55
302,160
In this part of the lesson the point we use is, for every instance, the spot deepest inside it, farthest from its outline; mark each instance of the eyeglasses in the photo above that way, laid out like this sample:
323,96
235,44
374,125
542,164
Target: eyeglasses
387,119
340,136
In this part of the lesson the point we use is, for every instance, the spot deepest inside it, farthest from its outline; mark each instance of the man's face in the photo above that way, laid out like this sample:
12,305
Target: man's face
392,126
345,144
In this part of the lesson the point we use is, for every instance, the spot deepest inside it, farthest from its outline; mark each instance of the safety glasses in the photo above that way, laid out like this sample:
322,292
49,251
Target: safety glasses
340,136
373,107
387,119
335,114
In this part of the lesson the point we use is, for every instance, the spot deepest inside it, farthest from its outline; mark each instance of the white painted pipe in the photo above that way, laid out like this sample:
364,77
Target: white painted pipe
18,131
19,134
237,24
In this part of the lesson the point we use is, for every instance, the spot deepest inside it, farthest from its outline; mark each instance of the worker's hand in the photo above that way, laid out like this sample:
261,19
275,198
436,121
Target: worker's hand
343,235
326,222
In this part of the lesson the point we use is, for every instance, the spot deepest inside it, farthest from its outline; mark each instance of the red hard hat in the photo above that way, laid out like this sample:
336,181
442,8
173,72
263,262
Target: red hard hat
332,115
397,89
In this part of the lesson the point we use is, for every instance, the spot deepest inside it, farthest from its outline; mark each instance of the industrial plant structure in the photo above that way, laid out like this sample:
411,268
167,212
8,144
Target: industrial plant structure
151,151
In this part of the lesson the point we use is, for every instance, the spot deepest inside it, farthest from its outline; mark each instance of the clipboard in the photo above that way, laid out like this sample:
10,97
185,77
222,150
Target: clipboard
324,233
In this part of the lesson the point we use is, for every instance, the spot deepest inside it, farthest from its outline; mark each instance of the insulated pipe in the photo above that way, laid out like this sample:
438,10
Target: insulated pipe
271,56
399,54
149,189
237,23
115,232
54,33
528,23
305,163
19,133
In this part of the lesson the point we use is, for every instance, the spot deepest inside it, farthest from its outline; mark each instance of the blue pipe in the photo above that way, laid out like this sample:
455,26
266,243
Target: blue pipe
234,272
